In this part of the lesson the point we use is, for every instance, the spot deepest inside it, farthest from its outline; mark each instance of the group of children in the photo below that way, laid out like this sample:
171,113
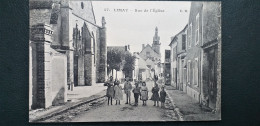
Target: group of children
114,90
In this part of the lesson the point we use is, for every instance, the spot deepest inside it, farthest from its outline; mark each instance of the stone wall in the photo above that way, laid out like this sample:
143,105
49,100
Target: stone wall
48,69
40,37
58,77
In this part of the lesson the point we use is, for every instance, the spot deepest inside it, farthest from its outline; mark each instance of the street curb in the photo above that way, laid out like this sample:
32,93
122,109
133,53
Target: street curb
176,109
39,119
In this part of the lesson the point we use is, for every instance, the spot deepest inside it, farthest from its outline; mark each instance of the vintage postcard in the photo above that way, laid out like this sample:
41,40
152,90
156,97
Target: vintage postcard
111,61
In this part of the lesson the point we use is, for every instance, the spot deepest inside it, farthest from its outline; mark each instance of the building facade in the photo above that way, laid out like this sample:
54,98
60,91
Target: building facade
211,52
173,61
196,55
178,52
141,71
193,50
73,33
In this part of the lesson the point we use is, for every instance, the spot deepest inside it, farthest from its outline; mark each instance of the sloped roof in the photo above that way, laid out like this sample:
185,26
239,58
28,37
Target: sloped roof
175,37
149,46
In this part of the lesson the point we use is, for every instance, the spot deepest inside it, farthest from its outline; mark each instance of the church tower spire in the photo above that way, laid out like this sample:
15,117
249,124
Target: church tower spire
156,41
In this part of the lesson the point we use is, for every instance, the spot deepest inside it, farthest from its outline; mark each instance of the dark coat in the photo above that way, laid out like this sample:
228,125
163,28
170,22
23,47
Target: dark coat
110,89
162,96
155,96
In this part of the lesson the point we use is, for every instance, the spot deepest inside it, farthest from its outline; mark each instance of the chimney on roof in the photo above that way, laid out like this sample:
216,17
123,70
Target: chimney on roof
143,46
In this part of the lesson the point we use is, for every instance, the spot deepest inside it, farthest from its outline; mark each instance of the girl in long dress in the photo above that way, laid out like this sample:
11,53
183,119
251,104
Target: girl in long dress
155,96
144,93
118,92
110,90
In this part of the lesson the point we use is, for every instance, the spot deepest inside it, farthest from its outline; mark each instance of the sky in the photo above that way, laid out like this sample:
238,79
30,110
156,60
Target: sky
127,26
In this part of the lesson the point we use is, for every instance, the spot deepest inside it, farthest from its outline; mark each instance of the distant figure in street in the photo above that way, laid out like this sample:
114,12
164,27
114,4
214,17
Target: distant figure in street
144,93
118,92
110,90
127,89
136,92
155,96
162,96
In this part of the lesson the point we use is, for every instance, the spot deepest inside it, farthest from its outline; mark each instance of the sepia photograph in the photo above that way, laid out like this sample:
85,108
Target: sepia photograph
124,61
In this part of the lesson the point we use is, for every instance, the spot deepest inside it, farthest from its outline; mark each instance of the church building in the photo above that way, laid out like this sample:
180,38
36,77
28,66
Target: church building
152,55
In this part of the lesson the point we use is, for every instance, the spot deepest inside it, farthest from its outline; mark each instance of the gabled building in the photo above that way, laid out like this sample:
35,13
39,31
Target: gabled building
141,71
181,59
178,55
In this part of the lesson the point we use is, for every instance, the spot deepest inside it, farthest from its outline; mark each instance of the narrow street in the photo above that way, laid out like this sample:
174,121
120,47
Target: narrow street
100,111
125,112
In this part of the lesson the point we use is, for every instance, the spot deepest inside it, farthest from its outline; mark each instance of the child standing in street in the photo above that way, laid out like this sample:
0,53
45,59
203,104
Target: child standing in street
162,96
127,89
118,92
110,90
155,96
144,93
136,92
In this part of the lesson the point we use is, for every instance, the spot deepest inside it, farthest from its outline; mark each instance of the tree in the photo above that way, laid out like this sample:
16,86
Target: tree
114,59
129,64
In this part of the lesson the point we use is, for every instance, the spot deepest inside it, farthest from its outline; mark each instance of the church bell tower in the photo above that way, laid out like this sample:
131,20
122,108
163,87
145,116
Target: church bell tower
156,42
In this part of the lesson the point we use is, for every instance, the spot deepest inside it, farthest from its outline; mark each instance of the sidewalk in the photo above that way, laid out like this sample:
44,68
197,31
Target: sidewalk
189,109
80,95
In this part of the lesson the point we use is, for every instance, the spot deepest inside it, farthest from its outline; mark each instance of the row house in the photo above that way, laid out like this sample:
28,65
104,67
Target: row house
193,50
173,61
196,55
180,61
